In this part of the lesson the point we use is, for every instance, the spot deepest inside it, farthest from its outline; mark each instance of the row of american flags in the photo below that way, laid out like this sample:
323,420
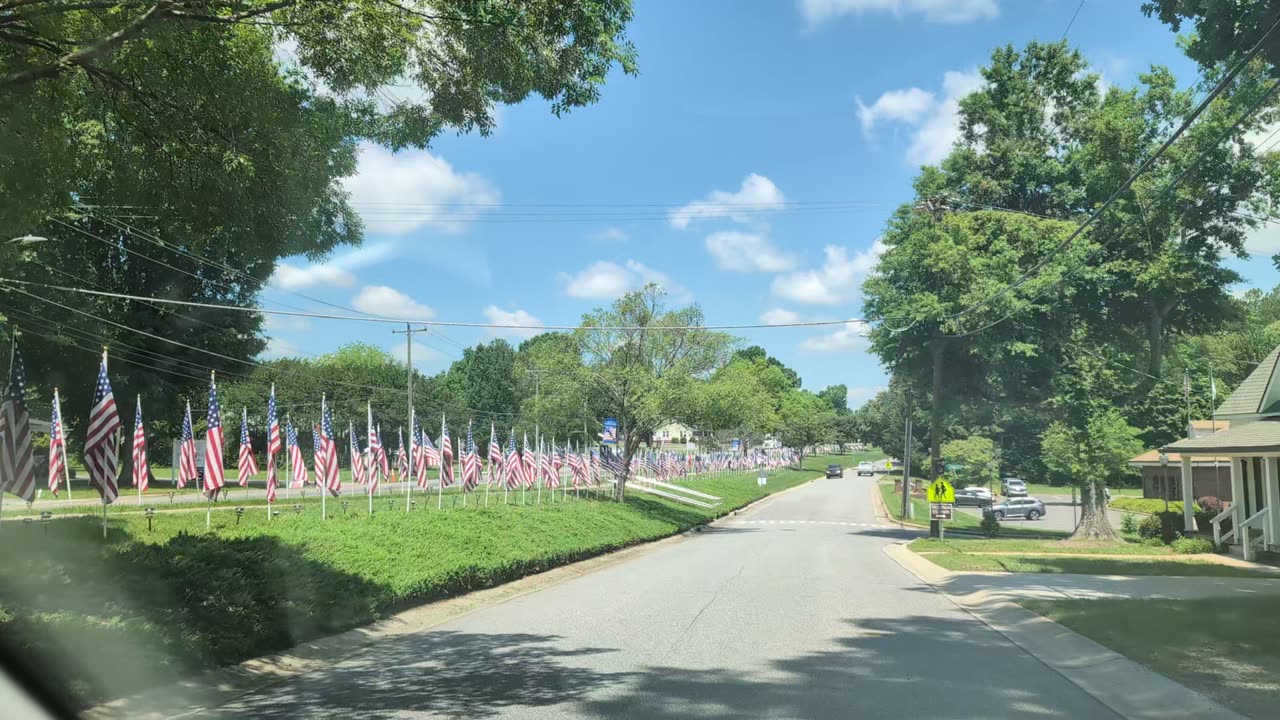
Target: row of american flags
515,468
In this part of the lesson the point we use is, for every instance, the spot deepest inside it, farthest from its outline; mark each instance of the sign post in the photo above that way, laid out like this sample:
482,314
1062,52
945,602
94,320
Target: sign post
942,499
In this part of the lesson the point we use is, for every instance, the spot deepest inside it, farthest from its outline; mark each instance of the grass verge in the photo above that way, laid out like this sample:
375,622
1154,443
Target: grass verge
1090,565
1002,545
959,520
1225,648
147,608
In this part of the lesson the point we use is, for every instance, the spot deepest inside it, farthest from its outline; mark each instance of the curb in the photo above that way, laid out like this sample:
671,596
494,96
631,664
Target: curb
1129,689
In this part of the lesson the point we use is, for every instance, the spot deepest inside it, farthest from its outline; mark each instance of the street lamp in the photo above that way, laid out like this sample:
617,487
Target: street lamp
1164,479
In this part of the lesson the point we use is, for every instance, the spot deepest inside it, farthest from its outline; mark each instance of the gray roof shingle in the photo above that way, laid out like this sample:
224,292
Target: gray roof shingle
1248,397
1261,436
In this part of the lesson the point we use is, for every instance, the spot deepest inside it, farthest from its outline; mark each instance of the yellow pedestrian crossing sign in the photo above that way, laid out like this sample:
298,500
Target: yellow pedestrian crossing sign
941,492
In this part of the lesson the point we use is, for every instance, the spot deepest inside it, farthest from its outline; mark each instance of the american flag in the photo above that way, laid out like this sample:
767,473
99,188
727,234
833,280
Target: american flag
57,445
357,458
248,466
17,464
274,444
332,479
214,477
595,466
295,456
374,471
495,453
140,468
187,452
429,451
578,467
378,454
402,459
470,463
550,467
528,468
419,453
317,452
102,442
514,472
446,455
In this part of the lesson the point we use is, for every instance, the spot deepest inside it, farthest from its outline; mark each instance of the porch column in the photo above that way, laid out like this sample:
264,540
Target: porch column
1188,502
1269,493
1237,490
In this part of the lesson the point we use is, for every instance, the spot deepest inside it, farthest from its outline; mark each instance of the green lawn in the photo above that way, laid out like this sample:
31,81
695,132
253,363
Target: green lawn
1040,489
1090,566
959,521
145,608
1225,648
1006,545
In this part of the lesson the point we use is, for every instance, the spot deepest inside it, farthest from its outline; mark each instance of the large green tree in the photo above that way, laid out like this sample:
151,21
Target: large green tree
804,420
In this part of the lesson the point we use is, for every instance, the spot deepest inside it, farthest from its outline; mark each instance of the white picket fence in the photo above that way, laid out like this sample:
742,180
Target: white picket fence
675,492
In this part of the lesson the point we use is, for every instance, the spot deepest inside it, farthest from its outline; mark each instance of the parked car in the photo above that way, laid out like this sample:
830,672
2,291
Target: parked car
977,496
1013,487
835,471
1024,507
866,468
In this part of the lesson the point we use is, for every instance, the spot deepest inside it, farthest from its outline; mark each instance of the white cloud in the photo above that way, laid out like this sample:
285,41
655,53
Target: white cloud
906,106
278,348
1263,240
610,234
498,316
758,194
746,252
851,334
816,12
859,395
277,323
936,122
779,316
836,281
424,358
293,277
605,280
398,193
386,301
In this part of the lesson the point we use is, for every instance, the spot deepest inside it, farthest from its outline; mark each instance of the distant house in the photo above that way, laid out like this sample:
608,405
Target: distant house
1162,472
1252,446
672,433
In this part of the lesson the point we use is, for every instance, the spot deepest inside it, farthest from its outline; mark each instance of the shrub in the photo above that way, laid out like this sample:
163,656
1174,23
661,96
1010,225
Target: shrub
1129,524
1165,526
1149,527
990,526
1210,504
1192,545
1145,505
1153,542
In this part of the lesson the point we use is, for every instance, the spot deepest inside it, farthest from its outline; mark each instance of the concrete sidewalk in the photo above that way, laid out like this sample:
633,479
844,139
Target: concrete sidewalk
1129,689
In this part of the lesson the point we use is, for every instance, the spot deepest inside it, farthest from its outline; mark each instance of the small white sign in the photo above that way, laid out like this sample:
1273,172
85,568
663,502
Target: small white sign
762,480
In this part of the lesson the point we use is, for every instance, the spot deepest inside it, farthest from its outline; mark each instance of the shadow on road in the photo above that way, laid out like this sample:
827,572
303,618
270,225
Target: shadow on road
451,674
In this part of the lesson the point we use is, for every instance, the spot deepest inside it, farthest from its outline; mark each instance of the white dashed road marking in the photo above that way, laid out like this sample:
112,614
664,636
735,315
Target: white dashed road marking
811,522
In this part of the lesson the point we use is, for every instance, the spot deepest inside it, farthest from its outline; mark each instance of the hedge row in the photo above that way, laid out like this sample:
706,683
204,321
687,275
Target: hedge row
1146,505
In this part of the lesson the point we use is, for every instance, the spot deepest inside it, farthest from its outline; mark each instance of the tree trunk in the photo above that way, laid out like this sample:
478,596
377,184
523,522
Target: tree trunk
628,450
1155,340
1094,524
935,410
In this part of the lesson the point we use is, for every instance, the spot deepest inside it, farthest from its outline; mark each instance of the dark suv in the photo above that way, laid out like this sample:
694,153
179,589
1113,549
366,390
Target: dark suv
835,471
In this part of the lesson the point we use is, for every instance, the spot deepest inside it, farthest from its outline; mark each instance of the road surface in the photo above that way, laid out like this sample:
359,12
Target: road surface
789,611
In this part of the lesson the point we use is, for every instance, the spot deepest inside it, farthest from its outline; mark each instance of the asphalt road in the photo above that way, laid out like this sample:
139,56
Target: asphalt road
1057,516
788,611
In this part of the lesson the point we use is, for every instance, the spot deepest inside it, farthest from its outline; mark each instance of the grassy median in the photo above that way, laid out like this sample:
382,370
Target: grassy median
144,608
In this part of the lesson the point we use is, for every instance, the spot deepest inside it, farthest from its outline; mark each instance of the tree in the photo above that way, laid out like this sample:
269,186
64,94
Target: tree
1224,31
640,373
977,458
805,419
755,353
741,398
552,386
1088,456
837,396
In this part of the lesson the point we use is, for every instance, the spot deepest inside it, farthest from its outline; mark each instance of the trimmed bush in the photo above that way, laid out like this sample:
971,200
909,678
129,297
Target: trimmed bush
990,526
1145,505
1192,545
1128,524
1210,504
1165,527
1153,542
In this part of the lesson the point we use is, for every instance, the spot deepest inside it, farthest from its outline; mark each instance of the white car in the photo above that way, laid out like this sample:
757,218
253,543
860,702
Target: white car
866,468
1013,487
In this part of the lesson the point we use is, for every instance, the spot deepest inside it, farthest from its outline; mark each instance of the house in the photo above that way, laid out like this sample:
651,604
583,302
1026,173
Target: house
1252,447
1162,472
672,432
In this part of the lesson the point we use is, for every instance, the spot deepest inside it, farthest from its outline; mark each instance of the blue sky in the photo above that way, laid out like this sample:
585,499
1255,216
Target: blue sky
739,106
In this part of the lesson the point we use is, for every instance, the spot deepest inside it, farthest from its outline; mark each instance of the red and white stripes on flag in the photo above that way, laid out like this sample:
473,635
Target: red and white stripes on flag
187,453
274,445
296,460
528,470
513,468
57,445
418,451
102,441
247,465
495,453
327,474
402,459
17,463
446,455
141,471
357,458
470,463
214,475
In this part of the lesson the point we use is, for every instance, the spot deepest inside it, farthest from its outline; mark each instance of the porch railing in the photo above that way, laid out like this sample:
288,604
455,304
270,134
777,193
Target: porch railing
1220,537
1258,520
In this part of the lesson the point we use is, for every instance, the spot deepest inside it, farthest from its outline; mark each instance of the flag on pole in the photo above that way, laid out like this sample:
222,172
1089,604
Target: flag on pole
248,466
214,477
419,452
429,451
140,468
446,455
378,453
187,452
317,447
57,445
402,459
274,445
357,458
17,463
470,463
299,463
102,442
495,452
529,468
332,479
514,472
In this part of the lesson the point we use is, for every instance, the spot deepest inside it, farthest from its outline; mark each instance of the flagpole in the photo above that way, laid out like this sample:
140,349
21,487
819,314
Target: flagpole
66,459
440,482
138,485
537,467
413,462
324,486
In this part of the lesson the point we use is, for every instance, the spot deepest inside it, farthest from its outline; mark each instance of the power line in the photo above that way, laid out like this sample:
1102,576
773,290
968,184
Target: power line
1073,20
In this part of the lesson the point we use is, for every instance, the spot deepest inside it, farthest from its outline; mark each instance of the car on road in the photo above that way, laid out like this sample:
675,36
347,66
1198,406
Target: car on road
1024,507
835,471
976,496
1013,487
866,467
